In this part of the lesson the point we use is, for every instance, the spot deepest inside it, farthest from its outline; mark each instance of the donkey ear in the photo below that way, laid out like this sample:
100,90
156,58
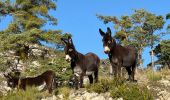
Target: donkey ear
101,32
109,31
64,40
70,40
7,76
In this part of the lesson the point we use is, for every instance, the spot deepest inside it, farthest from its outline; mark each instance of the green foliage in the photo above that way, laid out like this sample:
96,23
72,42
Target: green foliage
3,65
121,89
64,91
57,64
162,52
31,93
29,17
129,92
138,29
104,85
153,76
168,16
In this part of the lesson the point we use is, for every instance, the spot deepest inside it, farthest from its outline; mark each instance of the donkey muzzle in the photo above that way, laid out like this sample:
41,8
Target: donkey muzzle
106,49
68,58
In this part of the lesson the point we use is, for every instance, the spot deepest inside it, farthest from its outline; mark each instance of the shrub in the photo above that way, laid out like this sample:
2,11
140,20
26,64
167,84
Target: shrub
154,76
104,85
131,92
65,91
165,72
120,88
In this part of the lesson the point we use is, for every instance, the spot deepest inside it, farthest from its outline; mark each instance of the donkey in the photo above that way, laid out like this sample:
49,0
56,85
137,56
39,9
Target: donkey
82,65
48,77
119,56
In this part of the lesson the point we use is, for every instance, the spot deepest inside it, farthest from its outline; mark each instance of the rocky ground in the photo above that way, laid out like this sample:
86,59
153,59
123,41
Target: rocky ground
160,88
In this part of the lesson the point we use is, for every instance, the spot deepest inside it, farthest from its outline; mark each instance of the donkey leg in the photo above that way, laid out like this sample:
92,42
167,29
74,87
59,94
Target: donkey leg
133,73
54,84
90,79
76,83
50,89
119,71
49,85
96,76
81,81
111,72
114,67
129,73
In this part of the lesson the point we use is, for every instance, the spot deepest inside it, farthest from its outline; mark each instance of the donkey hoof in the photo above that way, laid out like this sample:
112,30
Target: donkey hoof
81,86
135,81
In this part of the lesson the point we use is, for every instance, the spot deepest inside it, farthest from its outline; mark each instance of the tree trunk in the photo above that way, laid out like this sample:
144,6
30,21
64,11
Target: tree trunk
152,59
139,61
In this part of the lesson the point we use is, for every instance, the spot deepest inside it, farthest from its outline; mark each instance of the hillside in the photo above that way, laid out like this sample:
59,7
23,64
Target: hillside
150,85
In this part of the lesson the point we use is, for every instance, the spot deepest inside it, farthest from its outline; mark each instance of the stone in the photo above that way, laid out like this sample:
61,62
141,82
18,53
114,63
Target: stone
165,82
98,98
110,98
35,64
120,99
60,96
50,98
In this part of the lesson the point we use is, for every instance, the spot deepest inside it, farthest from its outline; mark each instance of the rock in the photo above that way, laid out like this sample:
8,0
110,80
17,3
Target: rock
148,87
61,97
165,82
168,77
86,80
4,88
110,98
98,98
164,95
84,95
87,96
120,99
50,98
77,98
107,94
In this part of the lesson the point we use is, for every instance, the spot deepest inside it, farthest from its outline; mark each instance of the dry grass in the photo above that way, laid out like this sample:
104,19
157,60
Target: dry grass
65,91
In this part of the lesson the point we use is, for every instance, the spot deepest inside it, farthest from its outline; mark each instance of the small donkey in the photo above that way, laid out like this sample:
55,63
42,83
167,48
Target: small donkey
81,65
48,77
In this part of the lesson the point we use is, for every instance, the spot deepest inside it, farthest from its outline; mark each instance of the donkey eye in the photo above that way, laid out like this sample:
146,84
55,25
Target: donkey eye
109,41
70,50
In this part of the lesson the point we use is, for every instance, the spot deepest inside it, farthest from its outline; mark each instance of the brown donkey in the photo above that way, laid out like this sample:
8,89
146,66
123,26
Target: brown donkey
119,56
82,65
48,77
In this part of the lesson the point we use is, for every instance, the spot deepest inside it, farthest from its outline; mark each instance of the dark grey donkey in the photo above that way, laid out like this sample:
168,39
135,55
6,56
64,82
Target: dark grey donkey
119,56
82,65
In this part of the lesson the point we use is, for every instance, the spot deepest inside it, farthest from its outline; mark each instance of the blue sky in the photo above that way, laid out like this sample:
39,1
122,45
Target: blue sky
78,17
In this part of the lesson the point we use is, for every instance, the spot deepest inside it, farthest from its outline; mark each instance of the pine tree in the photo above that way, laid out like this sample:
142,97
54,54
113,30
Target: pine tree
162,52
29,17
